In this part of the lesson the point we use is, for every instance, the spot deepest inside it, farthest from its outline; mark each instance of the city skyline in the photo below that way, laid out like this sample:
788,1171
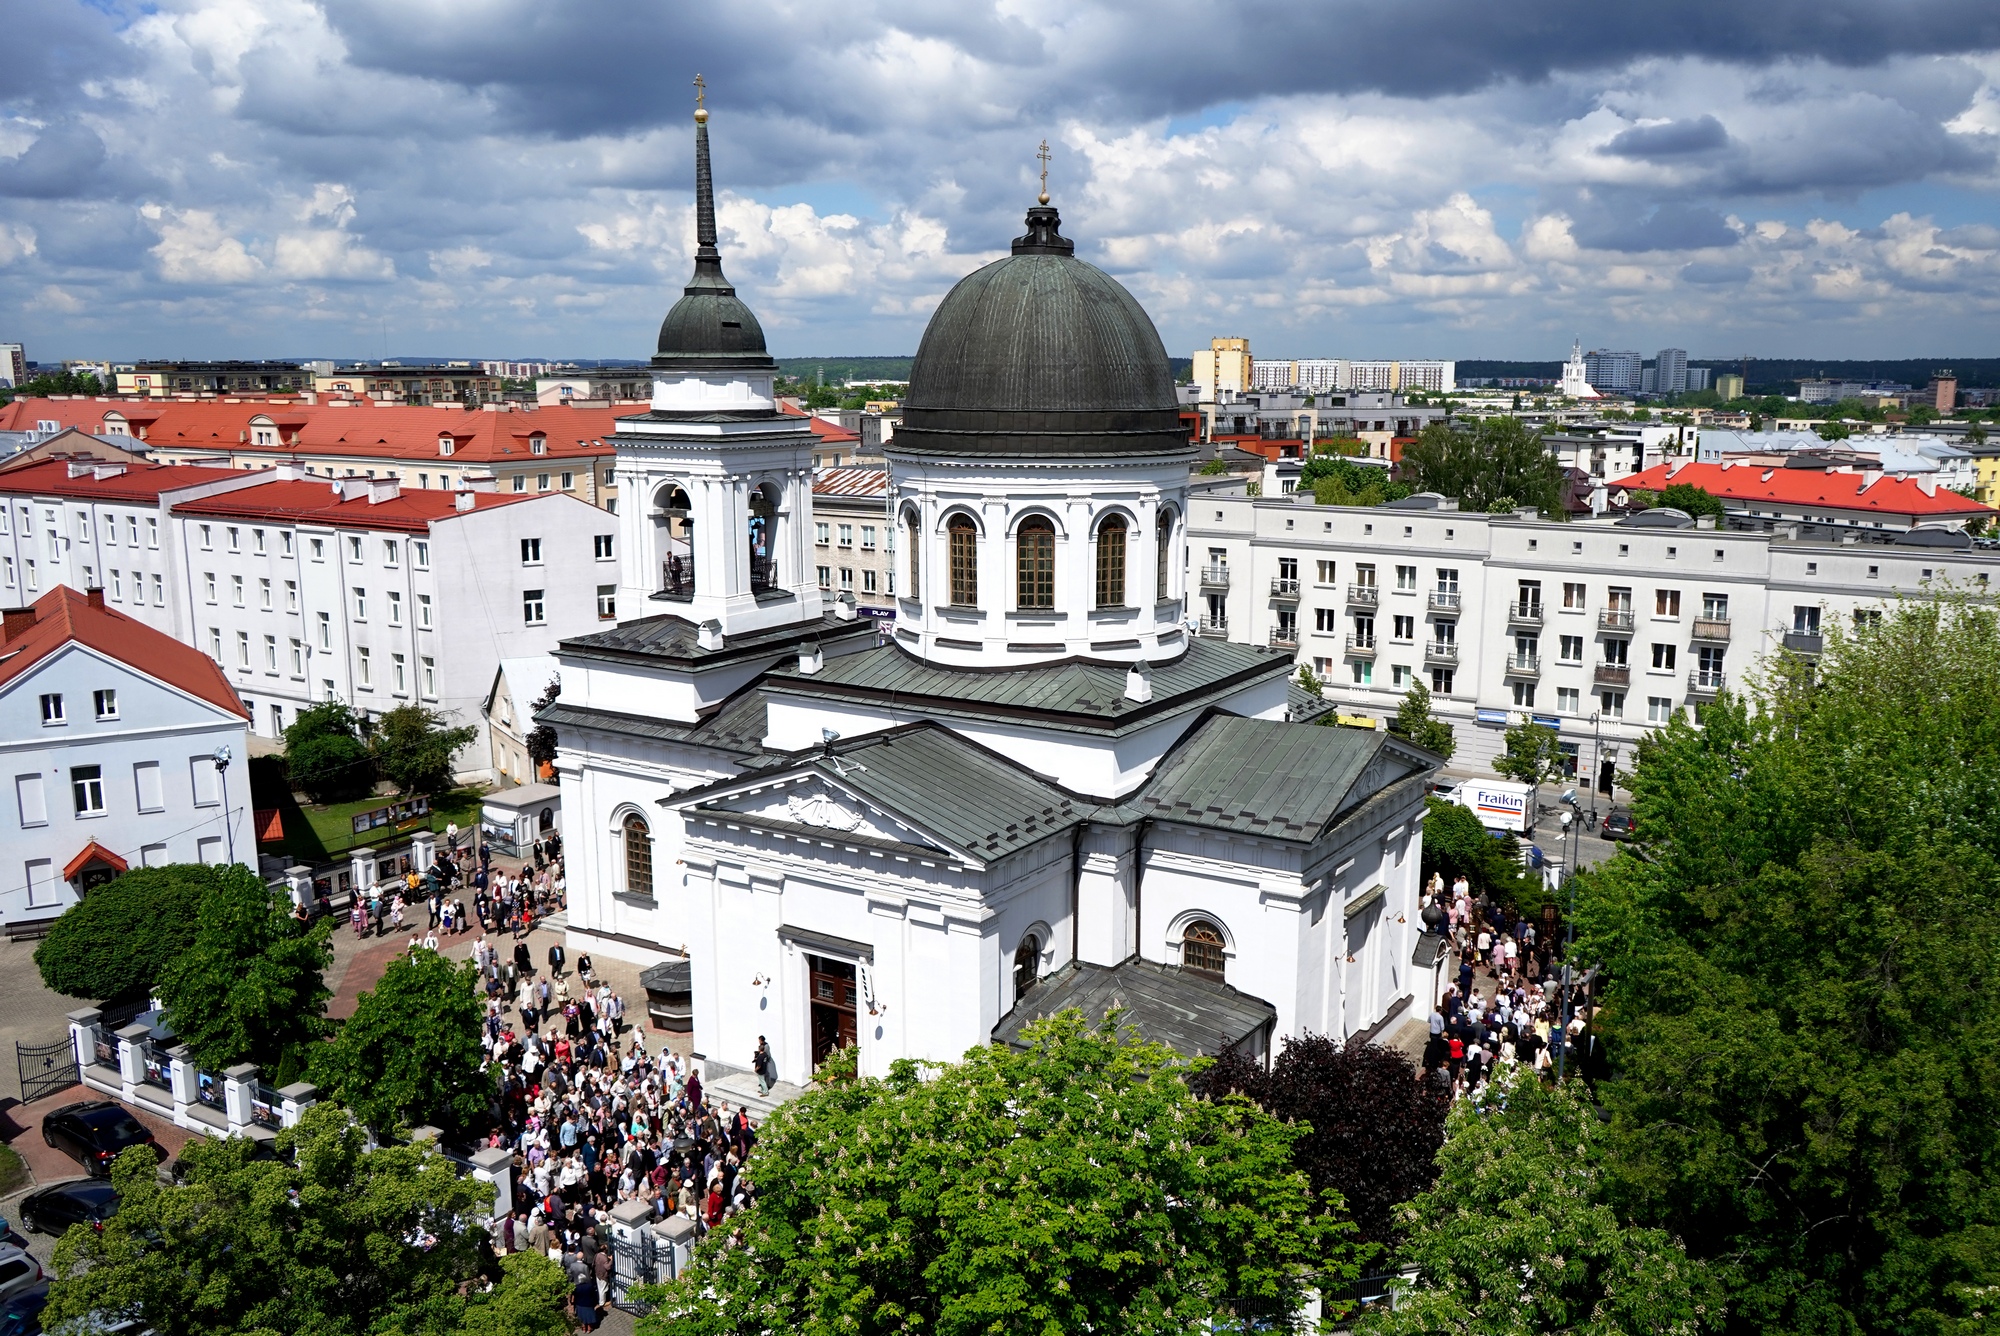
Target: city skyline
212,178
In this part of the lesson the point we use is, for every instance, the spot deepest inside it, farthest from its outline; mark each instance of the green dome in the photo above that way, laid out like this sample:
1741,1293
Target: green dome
709,328
1041,354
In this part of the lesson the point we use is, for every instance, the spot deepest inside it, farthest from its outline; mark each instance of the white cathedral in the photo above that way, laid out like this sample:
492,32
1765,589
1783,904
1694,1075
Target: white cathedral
1034,789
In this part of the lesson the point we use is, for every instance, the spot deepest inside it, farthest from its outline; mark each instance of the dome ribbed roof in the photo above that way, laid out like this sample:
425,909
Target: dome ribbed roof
1041,354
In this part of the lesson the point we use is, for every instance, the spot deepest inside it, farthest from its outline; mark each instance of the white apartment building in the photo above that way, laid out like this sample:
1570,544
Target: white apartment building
1600,629
113,735
358,590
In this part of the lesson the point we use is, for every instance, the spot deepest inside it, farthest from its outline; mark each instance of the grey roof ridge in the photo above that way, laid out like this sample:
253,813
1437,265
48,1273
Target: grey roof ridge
700,721
1391,791
803,831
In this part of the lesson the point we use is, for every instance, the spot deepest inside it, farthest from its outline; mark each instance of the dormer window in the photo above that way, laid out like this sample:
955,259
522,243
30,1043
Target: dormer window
538,445
446,445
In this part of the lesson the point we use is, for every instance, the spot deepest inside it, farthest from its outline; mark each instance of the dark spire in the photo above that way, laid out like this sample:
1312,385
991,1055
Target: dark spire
707,259
709,327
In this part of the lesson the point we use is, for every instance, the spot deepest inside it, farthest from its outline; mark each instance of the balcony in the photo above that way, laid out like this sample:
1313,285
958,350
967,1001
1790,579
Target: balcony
1614,675
1524,665
1444,600
1704,682
1212,626
1360,647
1441,651
1215,576
1713,629
1285,636
1614,619
1366,596
1285,589
1524,614
1805,642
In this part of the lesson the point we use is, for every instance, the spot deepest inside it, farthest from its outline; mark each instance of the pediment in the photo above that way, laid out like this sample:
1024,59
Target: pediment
821,805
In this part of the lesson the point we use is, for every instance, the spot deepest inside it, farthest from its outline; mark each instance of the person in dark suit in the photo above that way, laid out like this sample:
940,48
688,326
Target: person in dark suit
556,959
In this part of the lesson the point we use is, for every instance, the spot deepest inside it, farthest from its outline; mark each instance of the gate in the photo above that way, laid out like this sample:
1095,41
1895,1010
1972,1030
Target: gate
45,1068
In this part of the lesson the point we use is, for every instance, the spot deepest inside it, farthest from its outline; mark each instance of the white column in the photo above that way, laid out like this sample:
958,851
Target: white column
181,1082
423,850
237,1085
495,1165
298,1097
361,865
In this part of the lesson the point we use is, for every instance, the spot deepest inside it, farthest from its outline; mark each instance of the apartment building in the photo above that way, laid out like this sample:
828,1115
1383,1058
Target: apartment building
853,541
418,386
158,380
361,590
120,740
1601,629
522,451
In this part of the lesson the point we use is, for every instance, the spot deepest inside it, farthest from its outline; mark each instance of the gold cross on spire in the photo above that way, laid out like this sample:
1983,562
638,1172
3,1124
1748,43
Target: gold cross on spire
700,92
1043,154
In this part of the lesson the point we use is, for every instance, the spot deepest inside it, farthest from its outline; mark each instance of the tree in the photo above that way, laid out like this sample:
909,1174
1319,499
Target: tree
326,756
1833,431
1498,457
44,383
1413,721
1517,1236
1078,1185
112,945
1534,756
542,738
1336,480
1800,1008
249,987
1456,845
1309,681
410,1054
336,1241
413,748
1376,1125
1687,497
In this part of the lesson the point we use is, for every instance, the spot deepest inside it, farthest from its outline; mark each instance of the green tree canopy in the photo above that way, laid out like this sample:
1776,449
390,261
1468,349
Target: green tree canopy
1414,721
249,987
1456,845
1533,754
1518,1237
1801,1015
410,1054
325,755
413,748
542,738
1335,480
44,383
112,945
1694,500
343,1242
1498,457
1078,1185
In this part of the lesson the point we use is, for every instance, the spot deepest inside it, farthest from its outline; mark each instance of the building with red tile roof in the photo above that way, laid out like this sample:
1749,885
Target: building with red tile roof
118,730
1867,498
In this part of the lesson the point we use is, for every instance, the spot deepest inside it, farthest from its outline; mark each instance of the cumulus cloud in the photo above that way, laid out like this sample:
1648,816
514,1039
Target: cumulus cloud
511,177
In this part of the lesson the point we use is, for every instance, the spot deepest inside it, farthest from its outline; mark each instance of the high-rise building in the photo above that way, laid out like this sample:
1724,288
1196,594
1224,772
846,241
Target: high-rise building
1268,375
1729,385
1697,378
1670,368
13,364
1614,372
1224,365
1944,386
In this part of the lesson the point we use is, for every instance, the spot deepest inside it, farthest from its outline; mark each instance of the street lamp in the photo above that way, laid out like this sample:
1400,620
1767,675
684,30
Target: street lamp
222,772
1572,836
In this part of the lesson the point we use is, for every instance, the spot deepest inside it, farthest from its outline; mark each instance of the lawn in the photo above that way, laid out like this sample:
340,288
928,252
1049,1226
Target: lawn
314,834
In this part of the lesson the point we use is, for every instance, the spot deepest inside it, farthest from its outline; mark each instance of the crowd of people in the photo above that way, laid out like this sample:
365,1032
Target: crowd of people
499,901
1507,1003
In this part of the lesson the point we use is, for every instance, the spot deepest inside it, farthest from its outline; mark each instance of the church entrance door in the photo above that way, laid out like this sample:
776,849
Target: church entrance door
831,986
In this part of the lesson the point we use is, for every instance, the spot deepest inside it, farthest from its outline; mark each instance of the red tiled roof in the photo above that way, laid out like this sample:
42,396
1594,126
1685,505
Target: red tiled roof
138,482
63,615
1807,487
92,853
412,510
850,482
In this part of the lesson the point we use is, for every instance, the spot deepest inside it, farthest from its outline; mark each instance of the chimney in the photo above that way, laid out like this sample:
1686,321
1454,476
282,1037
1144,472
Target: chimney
710,635
843,607
463,500
79,467
383,489
810,658
94,596
1139,682
16,621
102,471
1704,521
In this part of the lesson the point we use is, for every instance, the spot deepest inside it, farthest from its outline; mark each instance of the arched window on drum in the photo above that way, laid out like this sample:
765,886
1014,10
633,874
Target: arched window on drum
1201,948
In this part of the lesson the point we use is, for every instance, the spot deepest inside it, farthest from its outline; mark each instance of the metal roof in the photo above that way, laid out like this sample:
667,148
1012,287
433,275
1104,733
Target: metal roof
1188,1012
851,482
737,725
674,639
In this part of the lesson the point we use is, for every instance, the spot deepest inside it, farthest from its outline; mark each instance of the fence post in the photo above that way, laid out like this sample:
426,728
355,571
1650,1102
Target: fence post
423,850
181,1083
83,1037
299,878
674,1236
628,1244
361,864
495,1165
298,1096
237,1084
131,1061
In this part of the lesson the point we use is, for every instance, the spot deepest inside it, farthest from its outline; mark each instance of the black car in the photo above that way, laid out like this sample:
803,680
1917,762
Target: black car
94,1132
1619,825
21,1315
53,1210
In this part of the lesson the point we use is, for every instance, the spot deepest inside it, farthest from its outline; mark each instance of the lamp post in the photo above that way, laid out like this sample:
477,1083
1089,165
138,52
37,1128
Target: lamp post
1572,834
222,772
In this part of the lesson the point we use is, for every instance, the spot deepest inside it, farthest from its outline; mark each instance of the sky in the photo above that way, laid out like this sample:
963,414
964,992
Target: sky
1433,178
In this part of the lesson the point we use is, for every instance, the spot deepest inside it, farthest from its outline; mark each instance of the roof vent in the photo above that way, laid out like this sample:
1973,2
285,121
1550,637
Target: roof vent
1139,682
843,607
811,660
709,636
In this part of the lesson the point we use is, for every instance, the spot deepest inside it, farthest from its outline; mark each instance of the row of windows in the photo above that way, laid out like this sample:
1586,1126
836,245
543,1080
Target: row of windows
868,580
601,549
88,796
55,711
1035,561
132,524
823,534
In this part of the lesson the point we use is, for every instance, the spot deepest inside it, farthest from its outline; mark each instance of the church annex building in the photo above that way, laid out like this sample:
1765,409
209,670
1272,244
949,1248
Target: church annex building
1033,788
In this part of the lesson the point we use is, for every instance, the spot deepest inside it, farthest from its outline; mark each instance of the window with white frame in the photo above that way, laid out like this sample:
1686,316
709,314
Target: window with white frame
86,786
1569,700
1659,709
364,668
360,604
242,649
531,551
424,611
326,631
607,603
398,671
428,666
395,607
105,701
532,612
354,547
600,546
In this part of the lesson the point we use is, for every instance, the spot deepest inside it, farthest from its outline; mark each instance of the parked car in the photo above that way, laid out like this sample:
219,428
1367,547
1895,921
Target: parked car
94,1132
21,1314
18,1271
8,1236
1619,825
53,1210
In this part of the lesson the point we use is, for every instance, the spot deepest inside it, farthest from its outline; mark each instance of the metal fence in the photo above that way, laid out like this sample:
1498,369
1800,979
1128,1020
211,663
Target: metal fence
45,1069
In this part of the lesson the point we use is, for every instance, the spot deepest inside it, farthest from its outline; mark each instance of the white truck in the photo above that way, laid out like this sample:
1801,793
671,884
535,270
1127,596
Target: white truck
1499,804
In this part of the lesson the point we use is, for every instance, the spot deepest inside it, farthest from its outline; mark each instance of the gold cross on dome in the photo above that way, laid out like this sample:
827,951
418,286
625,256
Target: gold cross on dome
1043,154
700,90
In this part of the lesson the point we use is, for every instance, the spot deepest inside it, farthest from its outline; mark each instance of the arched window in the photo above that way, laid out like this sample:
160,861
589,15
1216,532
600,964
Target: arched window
1166,543
914,535
1201,948
763,535
964,561
1111,563
638,856
1035,564
1027,963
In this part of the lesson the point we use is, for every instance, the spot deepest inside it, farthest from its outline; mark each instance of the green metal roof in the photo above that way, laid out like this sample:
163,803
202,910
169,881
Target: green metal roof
737,725
1188,1012
673,639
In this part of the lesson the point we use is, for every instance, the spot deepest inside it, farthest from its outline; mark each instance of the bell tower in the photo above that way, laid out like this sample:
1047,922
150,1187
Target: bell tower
714,480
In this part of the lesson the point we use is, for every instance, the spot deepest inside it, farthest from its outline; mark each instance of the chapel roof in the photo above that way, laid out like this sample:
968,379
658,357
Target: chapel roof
1188,1012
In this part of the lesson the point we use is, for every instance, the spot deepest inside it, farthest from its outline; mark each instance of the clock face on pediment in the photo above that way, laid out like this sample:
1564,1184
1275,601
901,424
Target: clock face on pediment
823,806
